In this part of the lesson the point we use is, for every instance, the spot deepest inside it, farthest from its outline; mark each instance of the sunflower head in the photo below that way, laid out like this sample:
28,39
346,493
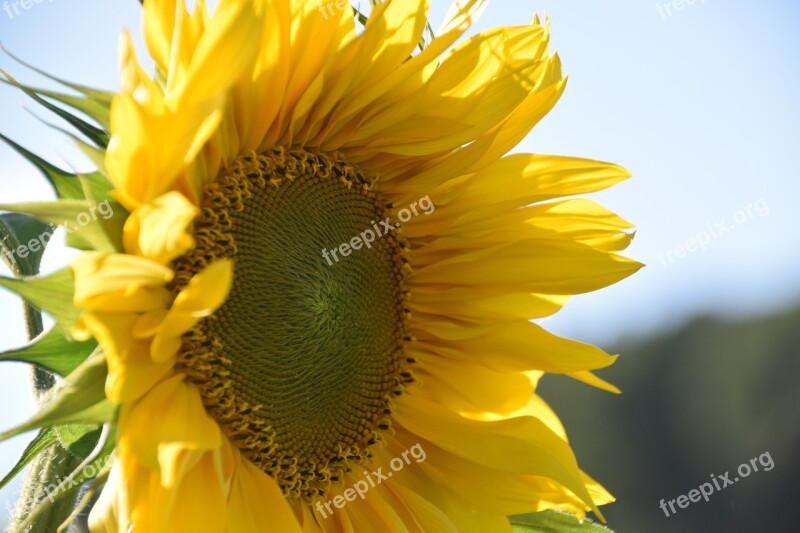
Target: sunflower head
330,264
301,362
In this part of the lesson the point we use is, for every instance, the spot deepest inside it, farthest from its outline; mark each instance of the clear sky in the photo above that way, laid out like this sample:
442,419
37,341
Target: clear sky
699,103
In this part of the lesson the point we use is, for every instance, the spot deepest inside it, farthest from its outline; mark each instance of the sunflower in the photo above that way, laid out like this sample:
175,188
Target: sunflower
321,317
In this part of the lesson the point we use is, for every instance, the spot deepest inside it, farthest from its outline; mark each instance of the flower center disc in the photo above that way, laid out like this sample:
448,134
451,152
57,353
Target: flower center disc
299,365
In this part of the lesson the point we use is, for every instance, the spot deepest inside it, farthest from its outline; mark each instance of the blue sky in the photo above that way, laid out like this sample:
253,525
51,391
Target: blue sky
699,103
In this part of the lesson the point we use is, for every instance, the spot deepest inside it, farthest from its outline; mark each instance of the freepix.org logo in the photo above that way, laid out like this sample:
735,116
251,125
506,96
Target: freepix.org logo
12,7
102,209
371,480
720,482
381,229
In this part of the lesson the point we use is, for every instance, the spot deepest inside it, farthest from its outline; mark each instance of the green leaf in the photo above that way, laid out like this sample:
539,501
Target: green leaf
17,233
42,441
554,522
78,398
52,293
53,351
95,134
89,226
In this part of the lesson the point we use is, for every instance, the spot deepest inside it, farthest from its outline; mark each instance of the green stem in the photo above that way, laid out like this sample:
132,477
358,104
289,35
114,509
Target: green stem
49,466
43,380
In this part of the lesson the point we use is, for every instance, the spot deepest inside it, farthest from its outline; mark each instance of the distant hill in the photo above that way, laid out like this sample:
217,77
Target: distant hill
696,402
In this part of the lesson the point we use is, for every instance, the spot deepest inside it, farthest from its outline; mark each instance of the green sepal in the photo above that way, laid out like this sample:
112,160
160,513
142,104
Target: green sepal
66,184
98,158
95,154
53,351
100,232
98,95
104,447
17,232
554,522
77,399
96,189
78,439
427,34
52,293
97,111
43,440
360,17
97,135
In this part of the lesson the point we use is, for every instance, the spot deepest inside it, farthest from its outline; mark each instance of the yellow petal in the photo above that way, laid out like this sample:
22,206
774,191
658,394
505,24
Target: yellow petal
466,386
487,489
256,503
198,501
535,407
147,324
509,347
110,513
448,510
546,266
159,230
131,371
159,25
464,225
524,445
595,381
195,502
182,420
444,108
136,160
227,47
490,145
392,32
259,101
474,304
373,512
134,80
530,178
205,293
119,282
426,516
